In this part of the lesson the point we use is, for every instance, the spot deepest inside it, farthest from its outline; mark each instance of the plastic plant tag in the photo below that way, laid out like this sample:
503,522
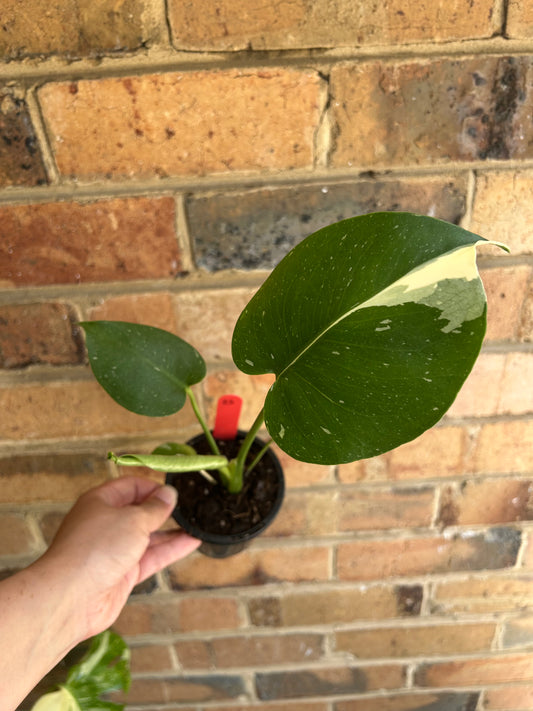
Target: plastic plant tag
227,417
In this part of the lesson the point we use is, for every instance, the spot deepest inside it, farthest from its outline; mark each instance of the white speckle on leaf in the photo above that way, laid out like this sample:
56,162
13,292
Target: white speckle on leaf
335,353
250,362
281,432
325,430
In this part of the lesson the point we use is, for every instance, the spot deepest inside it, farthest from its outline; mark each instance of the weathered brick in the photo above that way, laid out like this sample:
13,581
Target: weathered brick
252,567
306,514
306,24
59,478
151,309
21,161
509,698
336,606
439,452
486,501
525,330
39,333
206,319
517,632
519,19
482,595
492,450
376,560
412,702
76,410
474,672
328,512
298,474
183,124
148,658
328,682
209,613
258,651
74,29
255,229
70,242
421,641
365,509
502,209
15,535
183,689
480,111
507,293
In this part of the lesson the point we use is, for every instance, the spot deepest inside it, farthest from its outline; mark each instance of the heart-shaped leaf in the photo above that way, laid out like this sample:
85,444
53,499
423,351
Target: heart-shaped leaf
371,326
144,369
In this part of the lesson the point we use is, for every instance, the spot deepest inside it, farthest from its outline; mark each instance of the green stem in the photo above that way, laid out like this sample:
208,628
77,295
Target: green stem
203,424
259,457
243,451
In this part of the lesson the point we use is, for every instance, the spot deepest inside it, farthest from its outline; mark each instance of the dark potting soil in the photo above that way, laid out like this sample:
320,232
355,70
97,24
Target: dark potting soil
211,508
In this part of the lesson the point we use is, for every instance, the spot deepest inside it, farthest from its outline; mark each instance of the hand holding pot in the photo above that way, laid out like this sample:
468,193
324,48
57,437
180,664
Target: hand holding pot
106,544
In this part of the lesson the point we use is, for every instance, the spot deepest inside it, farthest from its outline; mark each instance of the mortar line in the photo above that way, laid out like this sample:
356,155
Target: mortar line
70,190
39,128
160,59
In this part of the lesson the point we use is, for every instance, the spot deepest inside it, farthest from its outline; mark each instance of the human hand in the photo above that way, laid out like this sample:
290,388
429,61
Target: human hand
109,542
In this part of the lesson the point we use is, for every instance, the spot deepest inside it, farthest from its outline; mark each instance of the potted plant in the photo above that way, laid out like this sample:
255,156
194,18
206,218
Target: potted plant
370,325
103,669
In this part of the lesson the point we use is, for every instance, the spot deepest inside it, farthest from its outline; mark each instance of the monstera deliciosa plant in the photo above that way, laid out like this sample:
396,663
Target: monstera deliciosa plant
105,668
370,325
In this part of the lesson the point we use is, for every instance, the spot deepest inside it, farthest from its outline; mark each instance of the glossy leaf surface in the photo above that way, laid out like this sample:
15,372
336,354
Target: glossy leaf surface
371,326
171,463
144,369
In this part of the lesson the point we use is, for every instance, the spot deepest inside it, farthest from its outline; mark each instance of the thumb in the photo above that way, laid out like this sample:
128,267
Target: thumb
159,505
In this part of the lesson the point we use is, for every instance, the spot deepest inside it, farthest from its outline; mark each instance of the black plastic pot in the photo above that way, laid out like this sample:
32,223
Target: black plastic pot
207,510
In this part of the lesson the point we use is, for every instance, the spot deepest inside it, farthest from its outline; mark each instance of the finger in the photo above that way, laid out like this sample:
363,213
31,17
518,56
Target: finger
158,507
165,551
126,490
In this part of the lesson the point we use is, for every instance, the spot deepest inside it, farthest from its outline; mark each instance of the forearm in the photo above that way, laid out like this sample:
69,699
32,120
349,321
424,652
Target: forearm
37,628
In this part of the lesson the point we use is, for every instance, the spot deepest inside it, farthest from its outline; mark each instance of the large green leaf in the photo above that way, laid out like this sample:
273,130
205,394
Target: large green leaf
371,326
144,369
105,668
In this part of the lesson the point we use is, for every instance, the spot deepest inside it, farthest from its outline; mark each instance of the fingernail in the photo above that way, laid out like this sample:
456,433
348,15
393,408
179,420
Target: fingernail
167,494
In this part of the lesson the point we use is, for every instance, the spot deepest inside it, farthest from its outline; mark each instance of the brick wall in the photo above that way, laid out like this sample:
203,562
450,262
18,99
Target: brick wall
156,160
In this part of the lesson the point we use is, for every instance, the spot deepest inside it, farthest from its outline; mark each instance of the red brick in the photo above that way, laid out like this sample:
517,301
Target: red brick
194,654
517,632
150,658
15,535
150,309
306,706
182,689
488,501
183,124
503,447
500,669
509,698
439,452
209,613
77,410
74,29
369,509
502,209
482,595
59,478
21,161
69,243
421,641
298,474
376,560
306,514
252,567
264,650
507,291
39,333
301,24
482,392
405,122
